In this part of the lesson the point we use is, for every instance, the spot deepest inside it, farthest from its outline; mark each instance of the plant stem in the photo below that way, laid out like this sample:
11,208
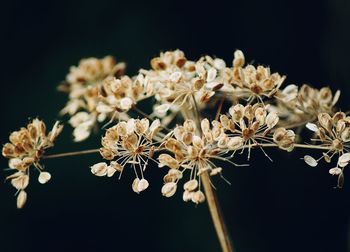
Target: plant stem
213,203
302,146
73,153
216,214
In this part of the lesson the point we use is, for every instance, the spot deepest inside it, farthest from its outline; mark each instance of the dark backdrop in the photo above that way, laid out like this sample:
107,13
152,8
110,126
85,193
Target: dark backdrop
279,206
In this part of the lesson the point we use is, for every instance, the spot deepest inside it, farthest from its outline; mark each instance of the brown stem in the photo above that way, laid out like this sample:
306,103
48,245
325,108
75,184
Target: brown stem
216,214
213,203
73,153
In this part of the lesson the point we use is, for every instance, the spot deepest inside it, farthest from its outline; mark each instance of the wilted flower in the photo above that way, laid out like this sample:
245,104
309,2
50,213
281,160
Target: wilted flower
25,149
333,133
248,126
299,106
131,143
254,82
83,84
194,152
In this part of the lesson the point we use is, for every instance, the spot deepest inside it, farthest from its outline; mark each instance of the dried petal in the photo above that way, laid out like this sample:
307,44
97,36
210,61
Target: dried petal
344,160
21,199
99,169
311,126
198,197
191,185
335,171
169,189
44,177
20,182
271,120
310,160
135,185
142,185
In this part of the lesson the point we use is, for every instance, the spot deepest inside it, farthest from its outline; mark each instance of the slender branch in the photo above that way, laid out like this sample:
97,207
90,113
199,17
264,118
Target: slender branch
213,203
197,113
73,153
302,146
147,116
216,214
221,102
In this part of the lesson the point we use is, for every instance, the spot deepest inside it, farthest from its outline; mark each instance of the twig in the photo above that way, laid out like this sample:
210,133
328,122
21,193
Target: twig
73,153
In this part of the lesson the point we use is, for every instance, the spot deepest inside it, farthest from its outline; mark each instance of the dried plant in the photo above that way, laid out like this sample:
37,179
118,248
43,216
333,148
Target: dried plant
204,113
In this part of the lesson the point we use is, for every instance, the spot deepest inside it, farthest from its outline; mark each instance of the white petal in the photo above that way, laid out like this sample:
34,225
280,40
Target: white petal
344,160
211,74
175,77
44,177
142,185
99,169
81,133
335,171
219,64
162,109
135,184
103,108
310,160
110,171
169,189
21,199
311,126
271,119
126,103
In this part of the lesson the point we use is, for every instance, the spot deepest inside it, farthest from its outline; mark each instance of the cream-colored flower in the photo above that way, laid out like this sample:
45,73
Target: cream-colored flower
83,84
254,82
131,143
333,133
193,152
25,149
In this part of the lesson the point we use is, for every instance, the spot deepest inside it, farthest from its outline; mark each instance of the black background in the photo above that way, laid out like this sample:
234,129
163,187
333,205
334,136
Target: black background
279,206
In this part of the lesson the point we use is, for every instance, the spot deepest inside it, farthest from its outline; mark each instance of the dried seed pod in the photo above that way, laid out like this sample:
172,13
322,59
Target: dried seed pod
271,120
142,185
44,177
169,189
99,169
310,161
20,182
325,121
335,171
21,199
167,160
198,197
191,185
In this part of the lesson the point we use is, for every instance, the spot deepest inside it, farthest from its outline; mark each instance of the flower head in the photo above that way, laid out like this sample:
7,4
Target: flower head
194,152
128,143
333,134
24,150
83,84
254,82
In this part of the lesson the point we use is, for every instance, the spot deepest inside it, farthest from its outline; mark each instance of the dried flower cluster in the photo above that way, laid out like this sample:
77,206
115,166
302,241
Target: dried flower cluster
83,84
332,133
132,144
25,149
204,112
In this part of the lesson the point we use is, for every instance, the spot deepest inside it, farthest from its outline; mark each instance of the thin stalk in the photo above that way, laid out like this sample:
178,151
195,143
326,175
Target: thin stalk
73,153
213,203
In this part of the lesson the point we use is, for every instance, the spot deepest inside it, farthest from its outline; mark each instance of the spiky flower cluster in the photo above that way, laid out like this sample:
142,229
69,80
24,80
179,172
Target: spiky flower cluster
83,84
24,150
204,113
333,134
131,143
